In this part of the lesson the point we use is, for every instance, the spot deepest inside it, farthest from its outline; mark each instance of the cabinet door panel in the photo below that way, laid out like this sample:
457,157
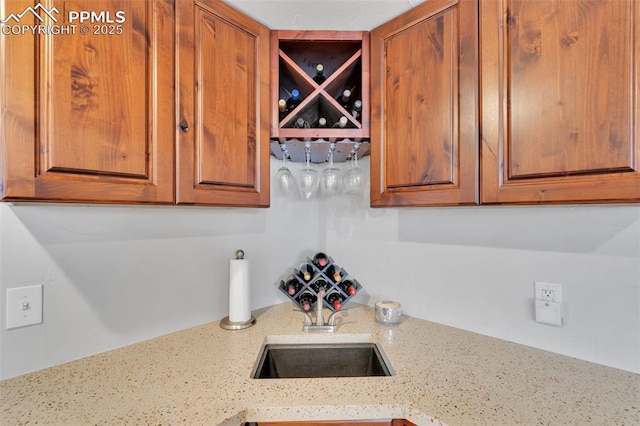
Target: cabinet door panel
226,116
223,157
94,124
427,74
563,126
94,109
424,134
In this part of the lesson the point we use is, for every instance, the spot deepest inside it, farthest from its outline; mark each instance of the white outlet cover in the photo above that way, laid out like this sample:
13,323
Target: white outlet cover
549,312
24,306
556,288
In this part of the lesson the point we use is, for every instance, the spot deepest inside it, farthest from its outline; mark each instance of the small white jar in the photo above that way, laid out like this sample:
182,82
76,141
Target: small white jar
388,312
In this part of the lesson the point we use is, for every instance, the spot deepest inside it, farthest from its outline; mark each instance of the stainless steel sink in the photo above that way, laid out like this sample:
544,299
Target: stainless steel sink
287,361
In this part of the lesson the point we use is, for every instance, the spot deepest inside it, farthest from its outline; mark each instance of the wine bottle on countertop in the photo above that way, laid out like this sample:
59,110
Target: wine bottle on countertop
344,99
320,260
335,299
333,272
348,287
305,272
307,300
319,77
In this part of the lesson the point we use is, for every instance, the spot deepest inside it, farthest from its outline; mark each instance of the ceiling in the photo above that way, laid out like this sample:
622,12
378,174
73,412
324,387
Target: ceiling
362,15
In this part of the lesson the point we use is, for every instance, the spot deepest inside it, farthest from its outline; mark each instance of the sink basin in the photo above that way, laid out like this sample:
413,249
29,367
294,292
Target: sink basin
287,361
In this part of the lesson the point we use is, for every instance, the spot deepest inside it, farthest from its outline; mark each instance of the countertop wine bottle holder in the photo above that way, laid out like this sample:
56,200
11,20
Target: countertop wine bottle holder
320,276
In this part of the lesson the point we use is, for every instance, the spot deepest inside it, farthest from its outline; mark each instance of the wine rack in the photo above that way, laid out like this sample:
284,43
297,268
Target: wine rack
320,276
345,58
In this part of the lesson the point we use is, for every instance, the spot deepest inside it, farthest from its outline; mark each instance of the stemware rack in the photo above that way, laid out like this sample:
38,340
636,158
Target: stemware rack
320,274
344,150
345,58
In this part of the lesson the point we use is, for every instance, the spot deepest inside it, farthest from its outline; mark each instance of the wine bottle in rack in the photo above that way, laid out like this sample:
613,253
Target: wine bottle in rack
301,123
348,287
305,272
307,300
356,112
344,99
342,123
320,123
319,77
293,101
282,109
292,286
335,299
333,272
320,260
318,284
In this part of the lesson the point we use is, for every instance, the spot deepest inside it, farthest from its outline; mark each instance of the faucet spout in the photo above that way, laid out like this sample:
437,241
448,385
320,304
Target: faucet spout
320,326
319,316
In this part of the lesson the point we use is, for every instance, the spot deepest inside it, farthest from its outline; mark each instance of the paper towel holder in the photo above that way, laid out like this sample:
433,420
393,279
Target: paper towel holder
230,325
227,324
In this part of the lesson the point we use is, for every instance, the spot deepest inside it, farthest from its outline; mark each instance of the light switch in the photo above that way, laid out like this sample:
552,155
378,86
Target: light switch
24,306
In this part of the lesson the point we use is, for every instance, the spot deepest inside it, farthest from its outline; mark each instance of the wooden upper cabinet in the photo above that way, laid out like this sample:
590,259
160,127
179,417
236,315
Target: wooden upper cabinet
89,117
560,84
223,112
424,106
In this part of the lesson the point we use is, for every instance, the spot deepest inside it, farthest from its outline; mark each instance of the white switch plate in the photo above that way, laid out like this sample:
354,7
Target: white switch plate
549,312
24,306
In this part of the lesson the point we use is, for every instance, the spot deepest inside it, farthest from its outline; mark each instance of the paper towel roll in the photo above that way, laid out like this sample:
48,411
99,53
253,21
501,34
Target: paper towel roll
239,309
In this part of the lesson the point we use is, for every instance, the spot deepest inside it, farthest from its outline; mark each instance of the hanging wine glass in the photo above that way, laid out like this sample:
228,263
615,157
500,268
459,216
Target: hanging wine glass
355,179
308,178
330,183
284,177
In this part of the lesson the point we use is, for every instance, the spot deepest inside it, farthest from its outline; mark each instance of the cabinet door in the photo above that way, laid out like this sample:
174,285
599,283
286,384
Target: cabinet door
560,101
223,78
424,106
327,423
88,117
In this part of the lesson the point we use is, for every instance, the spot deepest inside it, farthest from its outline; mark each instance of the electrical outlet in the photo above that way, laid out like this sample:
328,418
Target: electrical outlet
548,303
24,306
549,292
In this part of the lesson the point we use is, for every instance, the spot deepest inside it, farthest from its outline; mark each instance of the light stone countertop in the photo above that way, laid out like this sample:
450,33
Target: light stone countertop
442,375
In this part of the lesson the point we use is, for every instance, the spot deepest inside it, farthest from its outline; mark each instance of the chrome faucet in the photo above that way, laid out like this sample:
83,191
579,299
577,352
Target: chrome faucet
319,316
320,326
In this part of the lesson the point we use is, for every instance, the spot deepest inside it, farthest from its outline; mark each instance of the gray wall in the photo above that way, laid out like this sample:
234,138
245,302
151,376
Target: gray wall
116,275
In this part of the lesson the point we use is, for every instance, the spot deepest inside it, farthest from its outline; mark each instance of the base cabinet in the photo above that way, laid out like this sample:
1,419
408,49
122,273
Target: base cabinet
394,422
